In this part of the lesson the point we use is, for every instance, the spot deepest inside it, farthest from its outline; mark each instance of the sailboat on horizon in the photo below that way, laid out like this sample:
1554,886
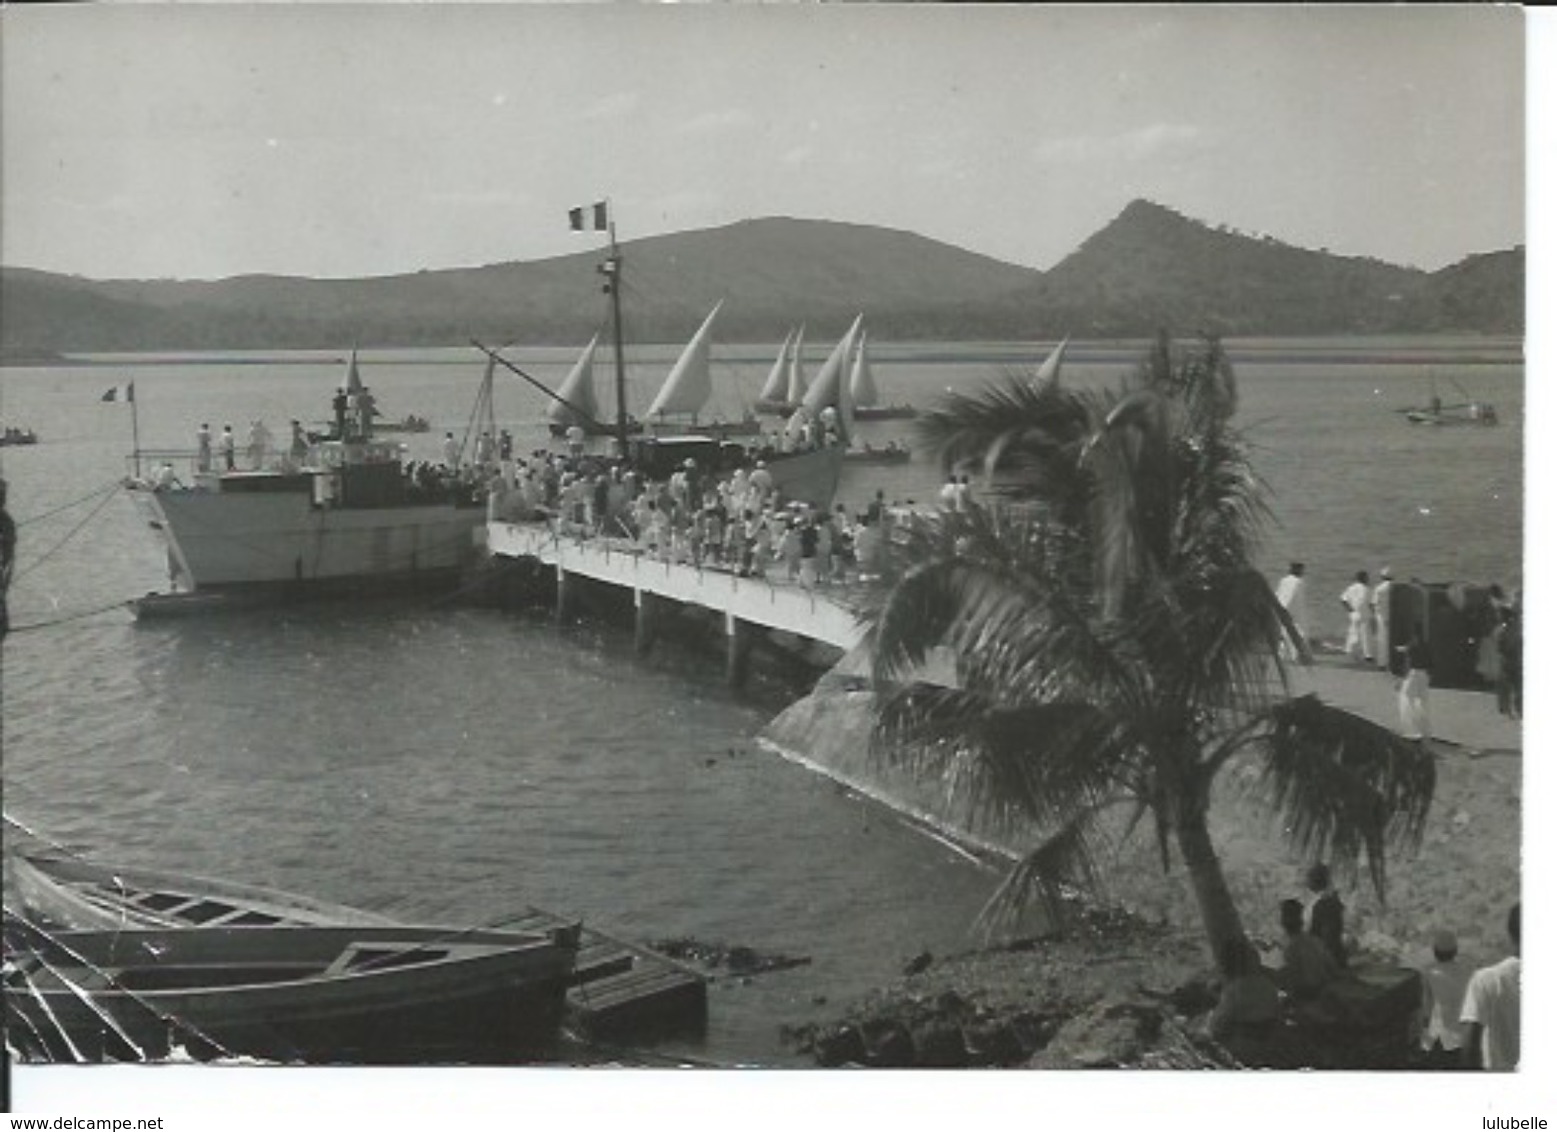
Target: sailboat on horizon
865,395
786,386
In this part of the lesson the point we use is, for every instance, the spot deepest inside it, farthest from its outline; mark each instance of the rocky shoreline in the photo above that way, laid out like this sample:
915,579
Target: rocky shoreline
1130,983
1112,991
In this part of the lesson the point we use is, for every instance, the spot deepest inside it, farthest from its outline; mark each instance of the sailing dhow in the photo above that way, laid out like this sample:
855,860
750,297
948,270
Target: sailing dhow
866,397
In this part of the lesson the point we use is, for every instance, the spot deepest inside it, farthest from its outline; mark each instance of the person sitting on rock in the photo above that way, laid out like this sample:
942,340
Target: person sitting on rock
1307,965
1248,1005
1326,916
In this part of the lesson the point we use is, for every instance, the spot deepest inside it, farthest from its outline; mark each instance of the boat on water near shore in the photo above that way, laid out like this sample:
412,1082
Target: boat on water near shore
14,437
82,895
890,453
1469,411
411,423
391,994
342,514
864,395
674,410
785,387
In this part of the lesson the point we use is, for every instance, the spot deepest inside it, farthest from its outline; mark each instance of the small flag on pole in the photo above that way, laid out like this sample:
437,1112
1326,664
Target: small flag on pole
589,217
120,393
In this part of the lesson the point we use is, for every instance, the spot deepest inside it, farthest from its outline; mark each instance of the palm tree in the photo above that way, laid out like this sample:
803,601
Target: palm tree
1115,644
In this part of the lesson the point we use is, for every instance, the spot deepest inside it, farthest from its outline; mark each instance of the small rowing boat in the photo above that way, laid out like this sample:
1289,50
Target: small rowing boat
316,995
79,894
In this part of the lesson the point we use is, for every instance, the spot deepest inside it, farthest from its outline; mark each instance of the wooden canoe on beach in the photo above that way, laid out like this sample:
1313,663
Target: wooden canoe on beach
316,995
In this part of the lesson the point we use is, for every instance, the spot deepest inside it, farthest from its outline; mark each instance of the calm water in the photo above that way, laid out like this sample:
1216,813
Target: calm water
455,764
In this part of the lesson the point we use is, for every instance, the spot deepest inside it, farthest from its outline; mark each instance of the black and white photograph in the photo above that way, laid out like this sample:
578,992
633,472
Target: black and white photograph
551,552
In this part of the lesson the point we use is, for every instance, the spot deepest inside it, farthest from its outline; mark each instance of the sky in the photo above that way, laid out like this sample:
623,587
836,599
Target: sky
203,141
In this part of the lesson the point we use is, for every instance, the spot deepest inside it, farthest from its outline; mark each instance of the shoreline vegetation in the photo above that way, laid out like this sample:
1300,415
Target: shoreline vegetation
1127,983
1137,718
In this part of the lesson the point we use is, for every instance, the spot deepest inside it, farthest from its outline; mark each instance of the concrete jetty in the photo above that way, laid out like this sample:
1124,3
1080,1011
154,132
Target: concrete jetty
748,605
1467,719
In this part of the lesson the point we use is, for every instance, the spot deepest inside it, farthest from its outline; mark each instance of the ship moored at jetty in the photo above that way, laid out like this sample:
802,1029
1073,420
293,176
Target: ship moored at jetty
341,510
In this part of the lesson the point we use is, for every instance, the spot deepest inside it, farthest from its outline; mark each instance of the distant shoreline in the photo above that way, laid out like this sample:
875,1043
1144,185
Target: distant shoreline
1373,350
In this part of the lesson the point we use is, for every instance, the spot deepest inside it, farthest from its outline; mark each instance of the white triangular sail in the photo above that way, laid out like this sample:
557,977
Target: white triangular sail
1050,370
353,378
829,379
797,375
690,383
862,383
778,377
578,390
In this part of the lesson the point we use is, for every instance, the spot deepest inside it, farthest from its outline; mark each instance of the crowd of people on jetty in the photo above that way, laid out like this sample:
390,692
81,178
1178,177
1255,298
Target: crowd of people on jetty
738,522
1461,1017
1493,631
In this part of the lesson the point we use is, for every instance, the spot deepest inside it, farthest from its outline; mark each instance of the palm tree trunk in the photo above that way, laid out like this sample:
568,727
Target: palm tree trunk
1218,913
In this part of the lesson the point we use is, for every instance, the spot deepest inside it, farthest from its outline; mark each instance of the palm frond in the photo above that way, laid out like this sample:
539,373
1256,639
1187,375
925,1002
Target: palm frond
1346,786
1063,861
1016,766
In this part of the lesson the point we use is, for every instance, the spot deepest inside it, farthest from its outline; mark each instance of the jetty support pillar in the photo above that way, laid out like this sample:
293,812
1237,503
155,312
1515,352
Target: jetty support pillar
646,620
565,595
738,637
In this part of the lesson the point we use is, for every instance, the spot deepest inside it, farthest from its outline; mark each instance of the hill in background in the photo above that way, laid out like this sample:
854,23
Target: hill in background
1150,267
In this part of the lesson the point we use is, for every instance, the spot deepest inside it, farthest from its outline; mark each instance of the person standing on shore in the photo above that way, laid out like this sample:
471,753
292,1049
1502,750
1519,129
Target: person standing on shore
229,446
1414,722
1491,1010
1443,996
1381,618
1359,626
1292,593
203,448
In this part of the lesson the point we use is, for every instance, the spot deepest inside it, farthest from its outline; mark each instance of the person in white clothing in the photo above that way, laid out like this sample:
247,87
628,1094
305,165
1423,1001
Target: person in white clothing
1292,593
1414,721
1381,618
1491,1010
1358,600
1443,996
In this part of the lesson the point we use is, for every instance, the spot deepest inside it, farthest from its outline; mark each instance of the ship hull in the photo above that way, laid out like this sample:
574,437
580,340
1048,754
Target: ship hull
218,541
809,476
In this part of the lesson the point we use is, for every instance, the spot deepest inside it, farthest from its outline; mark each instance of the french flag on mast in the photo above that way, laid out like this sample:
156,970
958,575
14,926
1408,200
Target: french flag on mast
120,393
589,217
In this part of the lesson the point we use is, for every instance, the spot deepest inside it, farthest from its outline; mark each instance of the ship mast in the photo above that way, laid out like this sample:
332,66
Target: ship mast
612,270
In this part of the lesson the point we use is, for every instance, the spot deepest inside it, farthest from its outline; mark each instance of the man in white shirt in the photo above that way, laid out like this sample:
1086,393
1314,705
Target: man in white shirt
1358,600
1491,1010
1292,593
1443,997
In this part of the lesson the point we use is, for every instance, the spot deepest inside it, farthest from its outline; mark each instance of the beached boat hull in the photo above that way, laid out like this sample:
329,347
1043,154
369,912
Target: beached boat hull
224,540
334,995
775,408
86,896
